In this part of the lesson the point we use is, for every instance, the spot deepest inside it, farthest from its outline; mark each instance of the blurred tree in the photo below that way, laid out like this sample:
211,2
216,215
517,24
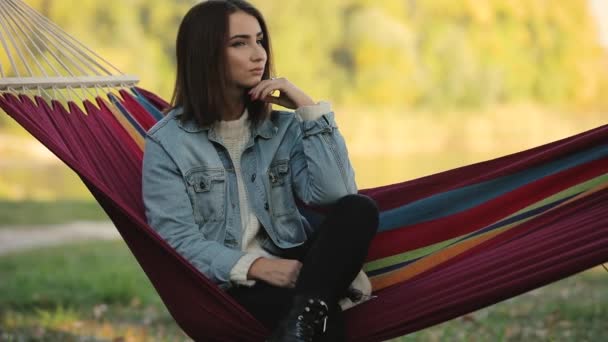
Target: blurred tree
435,53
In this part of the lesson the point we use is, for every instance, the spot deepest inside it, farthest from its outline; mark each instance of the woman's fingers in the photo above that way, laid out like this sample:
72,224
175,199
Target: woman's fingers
283,272
292,272
265,85
296,271
281,101
267,90
275,100
290,97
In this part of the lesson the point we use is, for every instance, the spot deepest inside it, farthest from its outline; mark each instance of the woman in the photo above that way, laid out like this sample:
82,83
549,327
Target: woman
222,172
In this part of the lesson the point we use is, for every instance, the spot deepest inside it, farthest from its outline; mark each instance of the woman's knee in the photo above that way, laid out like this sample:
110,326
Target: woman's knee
358,202
360,207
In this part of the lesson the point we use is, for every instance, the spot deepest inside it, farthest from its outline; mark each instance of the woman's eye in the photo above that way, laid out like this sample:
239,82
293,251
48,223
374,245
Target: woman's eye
259,41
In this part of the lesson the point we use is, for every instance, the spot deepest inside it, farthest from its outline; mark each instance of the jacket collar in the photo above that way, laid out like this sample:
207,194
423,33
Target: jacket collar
266,129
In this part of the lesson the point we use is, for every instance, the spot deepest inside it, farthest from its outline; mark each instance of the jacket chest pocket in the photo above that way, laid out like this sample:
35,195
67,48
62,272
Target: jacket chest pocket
281,194
207,189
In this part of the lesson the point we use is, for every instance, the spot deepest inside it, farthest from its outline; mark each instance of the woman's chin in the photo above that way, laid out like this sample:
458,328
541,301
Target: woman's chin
250,83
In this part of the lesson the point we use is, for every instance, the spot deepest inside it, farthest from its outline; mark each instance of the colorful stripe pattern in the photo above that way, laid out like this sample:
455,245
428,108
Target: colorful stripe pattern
430,231
448,244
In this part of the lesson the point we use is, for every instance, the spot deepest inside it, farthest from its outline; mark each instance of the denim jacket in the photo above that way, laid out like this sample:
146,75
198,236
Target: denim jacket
190,186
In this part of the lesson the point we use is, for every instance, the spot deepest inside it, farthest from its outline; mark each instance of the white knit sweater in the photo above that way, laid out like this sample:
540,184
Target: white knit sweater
235,135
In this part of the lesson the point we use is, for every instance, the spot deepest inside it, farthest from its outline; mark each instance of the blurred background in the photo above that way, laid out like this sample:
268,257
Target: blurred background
418,87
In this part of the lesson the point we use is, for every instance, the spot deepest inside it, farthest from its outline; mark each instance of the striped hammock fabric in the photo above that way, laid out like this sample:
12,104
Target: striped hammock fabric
448,244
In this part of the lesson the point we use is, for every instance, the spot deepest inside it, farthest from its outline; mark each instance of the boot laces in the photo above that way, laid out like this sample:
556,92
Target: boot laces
312,320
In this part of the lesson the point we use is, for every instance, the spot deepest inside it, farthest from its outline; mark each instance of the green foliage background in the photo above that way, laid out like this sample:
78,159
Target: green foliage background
418,85
390,53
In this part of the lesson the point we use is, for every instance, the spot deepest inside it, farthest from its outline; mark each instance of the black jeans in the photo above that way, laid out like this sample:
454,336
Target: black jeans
331,259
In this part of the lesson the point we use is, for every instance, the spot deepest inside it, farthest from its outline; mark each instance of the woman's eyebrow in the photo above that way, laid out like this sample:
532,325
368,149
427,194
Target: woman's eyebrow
246,36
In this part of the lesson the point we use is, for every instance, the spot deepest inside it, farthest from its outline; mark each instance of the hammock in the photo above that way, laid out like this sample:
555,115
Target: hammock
448,244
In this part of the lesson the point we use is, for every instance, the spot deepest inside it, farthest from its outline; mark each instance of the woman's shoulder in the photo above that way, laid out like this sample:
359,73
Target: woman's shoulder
281,118
167,126
306,113
281,113
285,122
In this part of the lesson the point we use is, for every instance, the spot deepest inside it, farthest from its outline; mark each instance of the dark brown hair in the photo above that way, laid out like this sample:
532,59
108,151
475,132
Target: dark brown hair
201,84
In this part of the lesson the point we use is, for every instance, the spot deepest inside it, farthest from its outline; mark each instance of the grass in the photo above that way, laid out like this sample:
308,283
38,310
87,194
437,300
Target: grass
573,309
96,292
23,213
91,291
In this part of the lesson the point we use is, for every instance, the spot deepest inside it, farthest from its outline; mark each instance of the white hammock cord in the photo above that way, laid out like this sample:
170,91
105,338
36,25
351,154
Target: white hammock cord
60,52
61,47
7,47
9,19
33,34
21,25
68,39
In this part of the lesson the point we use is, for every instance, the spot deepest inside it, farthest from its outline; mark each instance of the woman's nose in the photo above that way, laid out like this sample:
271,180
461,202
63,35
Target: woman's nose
259,54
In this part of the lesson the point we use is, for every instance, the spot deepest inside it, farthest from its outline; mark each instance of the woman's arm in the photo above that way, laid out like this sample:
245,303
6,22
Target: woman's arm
321,170
169,212
320,167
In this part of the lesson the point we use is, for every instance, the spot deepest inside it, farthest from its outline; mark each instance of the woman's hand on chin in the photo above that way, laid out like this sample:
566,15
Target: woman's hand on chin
277,272
290,96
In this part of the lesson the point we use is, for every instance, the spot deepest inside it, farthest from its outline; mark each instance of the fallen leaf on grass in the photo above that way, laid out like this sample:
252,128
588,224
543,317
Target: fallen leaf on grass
99,310
469,318
135,302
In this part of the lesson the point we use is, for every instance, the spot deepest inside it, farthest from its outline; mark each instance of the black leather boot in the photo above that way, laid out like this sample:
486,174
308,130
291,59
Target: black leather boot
305,322
335,328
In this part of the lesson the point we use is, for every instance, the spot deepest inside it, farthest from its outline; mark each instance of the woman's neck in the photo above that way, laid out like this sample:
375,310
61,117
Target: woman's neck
236,106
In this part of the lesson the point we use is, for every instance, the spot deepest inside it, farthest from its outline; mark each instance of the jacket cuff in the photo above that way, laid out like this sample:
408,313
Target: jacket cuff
238,273
222,264
325,124
313,112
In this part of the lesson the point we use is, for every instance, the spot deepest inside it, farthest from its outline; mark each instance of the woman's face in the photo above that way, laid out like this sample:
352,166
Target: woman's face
246,55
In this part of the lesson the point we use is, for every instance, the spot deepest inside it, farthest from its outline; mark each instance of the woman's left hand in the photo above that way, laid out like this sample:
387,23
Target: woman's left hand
290,96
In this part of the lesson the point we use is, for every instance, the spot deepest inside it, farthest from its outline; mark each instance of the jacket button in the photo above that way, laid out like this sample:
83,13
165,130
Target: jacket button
266,206
253,177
